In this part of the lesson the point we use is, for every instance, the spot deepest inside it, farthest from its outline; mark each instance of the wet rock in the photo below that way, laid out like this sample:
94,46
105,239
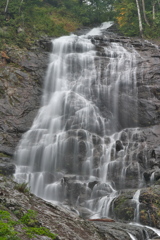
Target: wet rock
68,178
147,175
107,140
92,184
82,147
48,177
7,168
45,43
110,231
96,161
73,191
157,175
124,207
156,153
82,134
96,139
149,209
84,212
119,145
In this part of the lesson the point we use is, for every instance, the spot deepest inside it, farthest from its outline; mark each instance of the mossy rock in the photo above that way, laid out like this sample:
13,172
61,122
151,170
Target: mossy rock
124,209
2,155
150,206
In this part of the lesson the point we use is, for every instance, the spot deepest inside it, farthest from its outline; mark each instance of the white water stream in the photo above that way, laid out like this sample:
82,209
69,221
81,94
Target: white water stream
136,200
132,237
99,30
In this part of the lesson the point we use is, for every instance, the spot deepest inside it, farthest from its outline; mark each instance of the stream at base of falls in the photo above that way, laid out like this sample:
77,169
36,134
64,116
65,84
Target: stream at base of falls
82,147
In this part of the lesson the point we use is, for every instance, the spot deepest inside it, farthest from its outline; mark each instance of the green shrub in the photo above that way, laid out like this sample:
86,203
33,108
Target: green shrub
22,187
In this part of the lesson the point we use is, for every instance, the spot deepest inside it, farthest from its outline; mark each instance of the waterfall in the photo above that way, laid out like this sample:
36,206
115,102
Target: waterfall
152,177
136,200
77,150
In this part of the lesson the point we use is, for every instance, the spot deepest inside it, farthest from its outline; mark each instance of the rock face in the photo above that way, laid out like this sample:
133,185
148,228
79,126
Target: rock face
6,167
20,93
22,76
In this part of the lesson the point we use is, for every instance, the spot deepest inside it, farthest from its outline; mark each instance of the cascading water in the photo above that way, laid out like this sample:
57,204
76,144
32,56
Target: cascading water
76,151
136,200
132,237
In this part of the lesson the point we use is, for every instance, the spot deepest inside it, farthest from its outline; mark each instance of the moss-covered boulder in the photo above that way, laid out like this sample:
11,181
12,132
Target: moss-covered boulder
124,207
150,206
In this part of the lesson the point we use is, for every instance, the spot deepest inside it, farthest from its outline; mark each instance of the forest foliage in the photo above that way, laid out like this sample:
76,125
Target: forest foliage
22,21
138,17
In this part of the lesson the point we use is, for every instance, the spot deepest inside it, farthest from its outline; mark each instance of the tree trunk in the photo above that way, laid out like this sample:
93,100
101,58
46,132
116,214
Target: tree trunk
144,13
139,19
153,10
6,6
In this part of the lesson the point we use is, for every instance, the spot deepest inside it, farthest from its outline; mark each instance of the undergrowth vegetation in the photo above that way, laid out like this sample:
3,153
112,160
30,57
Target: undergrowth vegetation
24,21
22,187
28,223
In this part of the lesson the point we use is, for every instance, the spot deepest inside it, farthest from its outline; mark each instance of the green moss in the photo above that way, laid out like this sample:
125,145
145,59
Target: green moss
120,201
144,216
158,214
7,231
3,155
29,218
123,209
18,213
